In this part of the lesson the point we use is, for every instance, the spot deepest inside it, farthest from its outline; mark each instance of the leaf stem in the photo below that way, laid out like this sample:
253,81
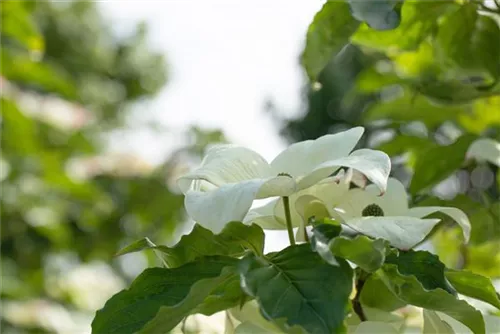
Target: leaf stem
289,226
356,304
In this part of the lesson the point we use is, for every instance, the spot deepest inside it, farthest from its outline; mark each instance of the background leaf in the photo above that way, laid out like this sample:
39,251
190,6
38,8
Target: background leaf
433,324
474,285
378,14
328,33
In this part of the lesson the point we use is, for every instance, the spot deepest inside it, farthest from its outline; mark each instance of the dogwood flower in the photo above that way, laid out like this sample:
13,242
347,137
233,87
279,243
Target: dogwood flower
231,177
390,218
485,149
363,210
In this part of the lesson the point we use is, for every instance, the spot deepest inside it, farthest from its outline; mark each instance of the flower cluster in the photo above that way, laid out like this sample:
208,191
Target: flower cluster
322,178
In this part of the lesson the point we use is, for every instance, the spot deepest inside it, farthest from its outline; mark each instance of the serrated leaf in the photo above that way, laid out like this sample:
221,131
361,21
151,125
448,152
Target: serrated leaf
296,284
329,32
433,324
410,290
378,14
431,168
234,240
367,253
471,41
474,285
425,266
206,286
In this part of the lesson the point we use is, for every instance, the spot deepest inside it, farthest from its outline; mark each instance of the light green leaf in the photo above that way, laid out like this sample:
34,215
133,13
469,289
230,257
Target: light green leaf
329,32
206,286
367,253
17,23
433,324
418,20
410,290
136,246
431,168
234,240
474,285
371,327
21,68
376,295
379,14
412,108
471,42
298,279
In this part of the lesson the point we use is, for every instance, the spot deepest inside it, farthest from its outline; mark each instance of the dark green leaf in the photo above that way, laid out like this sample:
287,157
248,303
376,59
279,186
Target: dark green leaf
419,20
367,253
320,239
329,32
471,42
404,144
208,285
298,285
234,240
425,266
474,285
431,168
378,14
410,290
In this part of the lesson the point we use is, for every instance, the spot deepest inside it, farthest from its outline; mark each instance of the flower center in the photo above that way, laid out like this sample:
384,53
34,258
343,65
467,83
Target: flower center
372,210
284,174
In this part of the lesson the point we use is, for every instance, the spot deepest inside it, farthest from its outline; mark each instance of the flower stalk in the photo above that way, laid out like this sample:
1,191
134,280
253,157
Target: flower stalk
288,218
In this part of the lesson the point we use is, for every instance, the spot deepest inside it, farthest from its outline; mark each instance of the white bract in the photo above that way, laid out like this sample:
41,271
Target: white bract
384,216
231,177
485,149
389,216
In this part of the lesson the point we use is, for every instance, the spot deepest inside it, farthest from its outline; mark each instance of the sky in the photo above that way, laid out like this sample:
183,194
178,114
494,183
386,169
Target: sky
225,58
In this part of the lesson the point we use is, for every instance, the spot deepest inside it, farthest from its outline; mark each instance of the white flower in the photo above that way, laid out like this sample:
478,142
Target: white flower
230,177
485,149
389,216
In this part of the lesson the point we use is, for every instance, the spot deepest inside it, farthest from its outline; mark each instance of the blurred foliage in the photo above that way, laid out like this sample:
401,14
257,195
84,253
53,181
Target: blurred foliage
67,203
423,78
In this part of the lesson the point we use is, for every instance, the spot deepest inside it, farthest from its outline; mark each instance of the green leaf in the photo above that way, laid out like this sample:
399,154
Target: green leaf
419,20
206,286
234,240
376,295
298,285
136,246
19,67
367,253
471,42
410,290
320,239
433,324
412,108
431,168
329,32
474,285
17,125
17,23
403,144
425,266
378,14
